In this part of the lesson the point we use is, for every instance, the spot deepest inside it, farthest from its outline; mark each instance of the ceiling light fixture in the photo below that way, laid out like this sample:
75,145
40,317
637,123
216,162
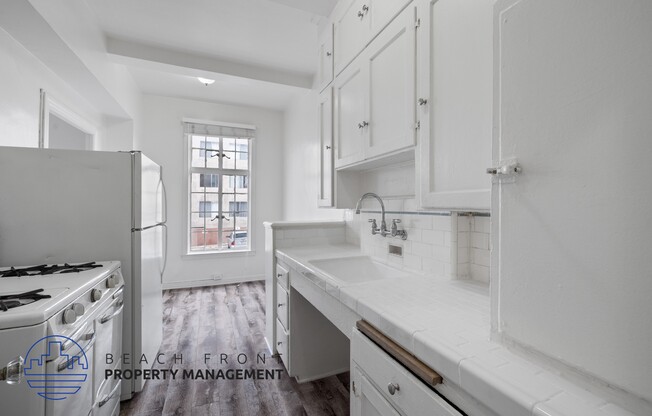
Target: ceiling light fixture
206,81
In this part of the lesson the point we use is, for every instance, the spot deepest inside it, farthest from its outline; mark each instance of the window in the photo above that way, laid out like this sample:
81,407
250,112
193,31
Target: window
219,160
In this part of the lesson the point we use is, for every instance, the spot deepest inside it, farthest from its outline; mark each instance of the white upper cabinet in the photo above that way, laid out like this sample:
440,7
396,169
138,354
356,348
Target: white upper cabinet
357,22
375,96
455,97
352,28
326,148
572,232
349,114
325,58
391,62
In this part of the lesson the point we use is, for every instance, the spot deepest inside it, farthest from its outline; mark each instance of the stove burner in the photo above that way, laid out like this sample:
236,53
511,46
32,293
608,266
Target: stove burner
44,269
13,301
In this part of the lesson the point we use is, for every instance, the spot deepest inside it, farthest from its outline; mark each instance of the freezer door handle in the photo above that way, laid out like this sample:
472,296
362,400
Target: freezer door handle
165,200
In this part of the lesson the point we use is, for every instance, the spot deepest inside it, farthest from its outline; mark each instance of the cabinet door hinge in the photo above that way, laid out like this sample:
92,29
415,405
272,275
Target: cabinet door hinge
417,24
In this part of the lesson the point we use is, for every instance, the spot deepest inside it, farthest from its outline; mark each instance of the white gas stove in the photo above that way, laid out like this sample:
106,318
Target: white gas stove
57,325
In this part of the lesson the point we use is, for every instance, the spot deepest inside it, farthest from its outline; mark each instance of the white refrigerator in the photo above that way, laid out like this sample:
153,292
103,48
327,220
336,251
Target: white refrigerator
61,206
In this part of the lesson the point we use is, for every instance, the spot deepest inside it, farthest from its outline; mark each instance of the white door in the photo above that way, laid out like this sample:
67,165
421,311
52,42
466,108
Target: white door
391,60
350,124
455,99
352,30
366,400
326,148
325,69
148,192
148,297
572,234
381,12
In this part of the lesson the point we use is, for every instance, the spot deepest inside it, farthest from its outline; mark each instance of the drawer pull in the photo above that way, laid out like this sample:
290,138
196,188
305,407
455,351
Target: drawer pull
393,388
409,361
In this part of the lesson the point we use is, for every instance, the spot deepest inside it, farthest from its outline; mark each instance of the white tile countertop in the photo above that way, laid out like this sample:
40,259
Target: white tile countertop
445,323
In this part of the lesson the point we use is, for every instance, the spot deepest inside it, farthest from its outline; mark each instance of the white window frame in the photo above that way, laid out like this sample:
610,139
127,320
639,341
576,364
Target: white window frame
187,172
49,105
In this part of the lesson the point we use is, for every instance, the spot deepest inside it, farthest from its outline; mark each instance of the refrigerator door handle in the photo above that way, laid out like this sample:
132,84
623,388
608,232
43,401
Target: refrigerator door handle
165,250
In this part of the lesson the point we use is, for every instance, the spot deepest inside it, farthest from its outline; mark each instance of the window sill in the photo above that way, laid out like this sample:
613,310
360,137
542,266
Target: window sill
218,254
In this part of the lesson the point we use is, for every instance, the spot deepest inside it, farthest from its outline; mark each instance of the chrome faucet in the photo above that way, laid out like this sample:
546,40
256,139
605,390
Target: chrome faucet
383,225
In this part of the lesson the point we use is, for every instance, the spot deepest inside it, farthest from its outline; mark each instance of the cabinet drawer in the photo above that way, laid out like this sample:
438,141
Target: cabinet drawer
282,276
283,344
411,396
282,306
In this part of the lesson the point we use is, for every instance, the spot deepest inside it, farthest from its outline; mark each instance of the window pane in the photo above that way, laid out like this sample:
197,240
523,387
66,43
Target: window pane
219,204
212,240
200,182
196,239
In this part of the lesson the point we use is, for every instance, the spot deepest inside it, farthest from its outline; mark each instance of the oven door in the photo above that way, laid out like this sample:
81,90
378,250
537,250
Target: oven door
77,397
108,349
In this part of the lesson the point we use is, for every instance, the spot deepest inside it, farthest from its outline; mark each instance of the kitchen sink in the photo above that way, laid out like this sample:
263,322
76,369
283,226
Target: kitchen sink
356,269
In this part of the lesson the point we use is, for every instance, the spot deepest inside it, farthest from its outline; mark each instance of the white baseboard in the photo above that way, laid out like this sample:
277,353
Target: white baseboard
210,282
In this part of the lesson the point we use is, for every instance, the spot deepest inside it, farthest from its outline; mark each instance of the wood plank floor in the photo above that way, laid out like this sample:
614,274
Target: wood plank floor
231,320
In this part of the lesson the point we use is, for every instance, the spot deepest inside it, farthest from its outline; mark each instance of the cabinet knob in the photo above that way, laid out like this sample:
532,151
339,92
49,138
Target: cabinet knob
328,54
422,101
279,274
361,13
363,125
328,147
393,388
279,343
280,304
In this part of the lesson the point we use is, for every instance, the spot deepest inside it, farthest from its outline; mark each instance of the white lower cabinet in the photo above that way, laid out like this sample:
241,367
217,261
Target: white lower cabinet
382,386
309,344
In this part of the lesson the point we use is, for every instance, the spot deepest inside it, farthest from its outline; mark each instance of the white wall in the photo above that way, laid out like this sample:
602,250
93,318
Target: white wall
21,78
301,161
163,142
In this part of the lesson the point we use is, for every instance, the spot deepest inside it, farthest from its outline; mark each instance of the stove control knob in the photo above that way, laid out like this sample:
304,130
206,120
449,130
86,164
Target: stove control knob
78,308
111,281
96,294
69,316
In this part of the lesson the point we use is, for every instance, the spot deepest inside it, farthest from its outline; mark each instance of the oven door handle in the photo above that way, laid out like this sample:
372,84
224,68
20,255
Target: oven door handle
66,361
109,396
107,318
76,337
119,292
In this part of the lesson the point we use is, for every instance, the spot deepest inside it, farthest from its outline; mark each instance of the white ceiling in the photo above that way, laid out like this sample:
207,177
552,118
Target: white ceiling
278,36
226,89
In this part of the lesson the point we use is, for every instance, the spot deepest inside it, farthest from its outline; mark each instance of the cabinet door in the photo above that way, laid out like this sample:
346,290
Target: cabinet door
572,233
352,31
350,124
381,12
326,148
325,58
391,61
366,400
455,103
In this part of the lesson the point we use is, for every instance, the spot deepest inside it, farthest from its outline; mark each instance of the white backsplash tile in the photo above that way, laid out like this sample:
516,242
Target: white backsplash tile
434,242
